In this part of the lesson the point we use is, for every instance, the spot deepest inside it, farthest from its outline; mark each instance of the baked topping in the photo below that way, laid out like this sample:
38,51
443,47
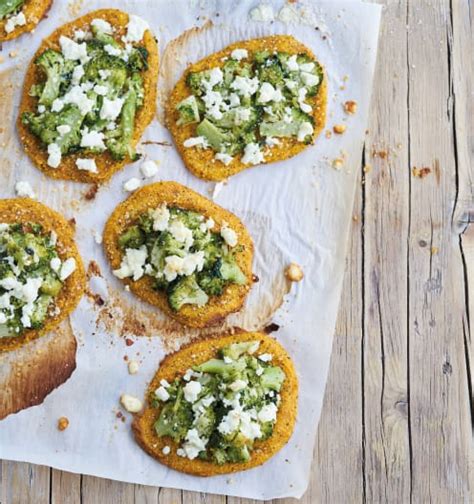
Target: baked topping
218,409
89,94
31,277
181,250
243,107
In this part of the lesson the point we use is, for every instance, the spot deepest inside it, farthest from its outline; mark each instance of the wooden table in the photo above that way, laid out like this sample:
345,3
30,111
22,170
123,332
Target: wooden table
397,419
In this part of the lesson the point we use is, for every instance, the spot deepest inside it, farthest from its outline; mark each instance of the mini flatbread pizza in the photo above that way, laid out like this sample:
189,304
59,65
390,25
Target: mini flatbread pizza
180,252
89,93
41,282
220,405
20,16
255,102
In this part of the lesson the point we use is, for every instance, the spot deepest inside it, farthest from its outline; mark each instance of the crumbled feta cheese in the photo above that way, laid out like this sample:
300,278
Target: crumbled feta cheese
67,269
194,444
164,383
149,168
86,165
187,265
92,139
271,141
54,155
234,100
238,385
133,367
181,233
111,108
307,67
215,77
259,371
23,189
192,390
102,26
180,452
166,450
63,129
290,84
194,141
132,263
242,115
77,96
229,235
41,109
101,90
292,64
268,413
130,403
244,85
72,50
309,79
79,35
224,158
14,21
161,217
136,28
252,154
301,101
57,105
239,54
304,130
268,93
77,74
262,13
104,74
55,264
113,51
162,394
214,103
265,357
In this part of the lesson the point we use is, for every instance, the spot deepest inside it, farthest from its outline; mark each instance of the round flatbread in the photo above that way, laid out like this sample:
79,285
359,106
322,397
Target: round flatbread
34,11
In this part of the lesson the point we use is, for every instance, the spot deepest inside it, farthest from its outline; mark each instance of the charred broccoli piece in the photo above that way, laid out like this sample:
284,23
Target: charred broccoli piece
186,291
52,63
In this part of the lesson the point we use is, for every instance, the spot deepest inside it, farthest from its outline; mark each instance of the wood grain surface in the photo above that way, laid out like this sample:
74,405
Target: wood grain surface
398,413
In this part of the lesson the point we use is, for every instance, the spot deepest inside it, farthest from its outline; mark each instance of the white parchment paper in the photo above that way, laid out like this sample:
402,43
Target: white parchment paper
297,210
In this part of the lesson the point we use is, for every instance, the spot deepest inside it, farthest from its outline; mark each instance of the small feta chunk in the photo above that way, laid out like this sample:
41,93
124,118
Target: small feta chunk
166,450
63,129
268,93
224,158
305,129
54,155
136,29
41,109
14,21
131,403
67,269
229,235
77,74
149,168
292,64
55,264
101,90
86,165
132,263
161,217
245,86
305,107
252,154
93,140
192,390
238,385
133,367
113,51
72,50
265,357
162,394
102,26
268,413
239,54
309,79
195,141
23,189
111,109
271,141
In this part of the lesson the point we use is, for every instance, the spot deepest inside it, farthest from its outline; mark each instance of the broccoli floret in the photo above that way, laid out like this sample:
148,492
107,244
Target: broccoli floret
218,366
138,59
194,81
52,63
261,56
41,310
9,7
164,246
175,419
188,111
192,220
205,422
235,350
266,429
231,272
186,291
116,67
272,73
51,285
132,238
272,378
211,280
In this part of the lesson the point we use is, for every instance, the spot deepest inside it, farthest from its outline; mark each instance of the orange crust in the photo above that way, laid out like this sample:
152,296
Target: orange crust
34,11
176,364
177,195
106,165
26,210
201,162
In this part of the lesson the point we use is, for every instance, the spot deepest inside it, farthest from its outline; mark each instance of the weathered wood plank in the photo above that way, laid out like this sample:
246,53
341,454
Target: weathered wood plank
438,393
201,498
106,491
24,483
387,446
146,494
65,487
170,496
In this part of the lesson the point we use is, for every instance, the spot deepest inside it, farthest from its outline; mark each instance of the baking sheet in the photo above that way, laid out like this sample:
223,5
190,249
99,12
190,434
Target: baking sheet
297,210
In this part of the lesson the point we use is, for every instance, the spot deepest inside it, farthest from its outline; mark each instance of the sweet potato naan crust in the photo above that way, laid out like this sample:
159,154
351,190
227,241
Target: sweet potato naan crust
106,165
201,162
34,11
174,194
176,364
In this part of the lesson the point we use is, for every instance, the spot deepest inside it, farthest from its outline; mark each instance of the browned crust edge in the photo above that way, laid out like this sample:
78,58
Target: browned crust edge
175,194
176,364
201,162
106,165
24,210
34,11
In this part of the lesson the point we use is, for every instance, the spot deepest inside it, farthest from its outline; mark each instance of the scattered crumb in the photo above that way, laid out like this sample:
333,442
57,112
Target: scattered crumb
132,184
2,59
367,168
217,189
13,54
382,154
149,168
63,423
129,342
133,367
434,250
23,189
97,237
337,163
131,403
91,193
355,218
328,134
350,107
339,129
420,172
294,273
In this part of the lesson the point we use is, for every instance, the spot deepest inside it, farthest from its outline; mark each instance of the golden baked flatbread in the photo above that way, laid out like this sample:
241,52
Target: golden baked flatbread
34,11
